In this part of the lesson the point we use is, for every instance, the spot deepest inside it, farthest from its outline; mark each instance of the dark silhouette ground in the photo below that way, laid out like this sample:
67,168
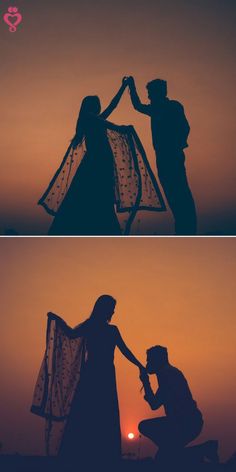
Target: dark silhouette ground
18,463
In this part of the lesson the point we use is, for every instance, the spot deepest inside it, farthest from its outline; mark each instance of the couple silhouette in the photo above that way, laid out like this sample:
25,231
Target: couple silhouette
105,168
76,393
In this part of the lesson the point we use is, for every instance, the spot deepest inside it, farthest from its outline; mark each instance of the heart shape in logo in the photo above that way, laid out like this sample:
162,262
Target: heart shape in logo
12,18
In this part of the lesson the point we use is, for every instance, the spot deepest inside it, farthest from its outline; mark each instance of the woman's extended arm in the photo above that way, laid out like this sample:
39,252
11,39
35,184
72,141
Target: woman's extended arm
114,101
126,352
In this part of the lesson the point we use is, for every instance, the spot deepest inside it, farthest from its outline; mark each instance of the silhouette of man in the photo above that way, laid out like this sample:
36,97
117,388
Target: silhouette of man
183,421
170,130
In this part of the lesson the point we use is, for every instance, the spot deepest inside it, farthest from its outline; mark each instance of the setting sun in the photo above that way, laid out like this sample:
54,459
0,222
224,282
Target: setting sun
131,435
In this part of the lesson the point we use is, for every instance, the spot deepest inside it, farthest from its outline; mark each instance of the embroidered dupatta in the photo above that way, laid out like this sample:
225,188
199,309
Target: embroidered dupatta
57,380
136,187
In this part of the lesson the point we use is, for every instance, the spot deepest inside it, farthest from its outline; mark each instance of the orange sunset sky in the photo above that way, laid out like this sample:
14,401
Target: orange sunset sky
175,292
64,50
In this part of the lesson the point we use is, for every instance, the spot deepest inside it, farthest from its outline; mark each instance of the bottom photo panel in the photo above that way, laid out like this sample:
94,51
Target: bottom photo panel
118,354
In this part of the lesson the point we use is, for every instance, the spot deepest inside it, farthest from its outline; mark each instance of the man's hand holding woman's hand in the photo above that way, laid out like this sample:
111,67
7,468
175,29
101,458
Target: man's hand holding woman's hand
143,375
128,81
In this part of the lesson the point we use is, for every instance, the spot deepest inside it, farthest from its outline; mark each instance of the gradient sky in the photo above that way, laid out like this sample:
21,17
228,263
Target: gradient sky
175,292
67,49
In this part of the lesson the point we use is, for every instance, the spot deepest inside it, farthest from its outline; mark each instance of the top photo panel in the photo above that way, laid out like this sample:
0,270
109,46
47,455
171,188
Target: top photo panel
118,118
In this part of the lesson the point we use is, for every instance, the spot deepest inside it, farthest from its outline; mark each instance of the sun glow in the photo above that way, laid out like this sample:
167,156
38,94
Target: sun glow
131,435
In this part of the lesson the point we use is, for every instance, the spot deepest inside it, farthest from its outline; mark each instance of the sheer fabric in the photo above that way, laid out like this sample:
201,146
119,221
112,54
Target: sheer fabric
57,381
135,185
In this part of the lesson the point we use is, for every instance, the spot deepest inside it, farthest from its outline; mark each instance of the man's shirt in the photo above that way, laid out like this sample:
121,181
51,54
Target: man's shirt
174,393
170,128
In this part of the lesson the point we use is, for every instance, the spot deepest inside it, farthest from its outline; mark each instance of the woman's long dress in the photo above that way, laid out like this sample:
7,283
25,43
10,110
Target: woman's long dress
88,208
92,434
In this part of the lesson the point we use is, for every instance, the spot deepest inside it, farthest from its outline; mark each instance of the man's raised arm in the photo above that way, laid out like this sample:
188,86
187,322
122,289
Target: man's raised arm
135,98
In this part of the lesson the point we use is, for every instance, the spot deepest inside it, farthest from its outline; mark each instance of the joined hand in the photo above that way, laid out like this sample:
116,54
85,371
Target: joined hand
128,80
125,81
143,375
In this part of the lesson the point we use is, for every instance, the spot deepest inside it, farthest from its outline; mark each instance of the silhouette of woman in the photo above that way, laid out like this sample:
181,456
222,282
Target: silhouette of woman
88,207
104,167
92,430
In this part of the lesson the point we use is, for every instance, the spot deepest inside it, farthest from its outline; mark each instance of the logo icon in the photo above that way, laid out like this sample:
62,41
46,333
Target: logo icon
12,18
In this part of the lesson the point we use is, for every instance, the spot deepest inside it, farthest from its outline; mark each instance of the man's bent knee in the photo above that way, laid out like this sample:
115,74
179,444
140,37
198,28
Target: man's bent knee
143,427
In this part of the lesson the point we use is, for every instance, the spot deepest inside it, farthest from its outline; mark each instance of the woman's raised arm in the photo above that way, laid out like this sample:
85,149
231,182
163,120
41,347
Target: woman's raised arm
111,107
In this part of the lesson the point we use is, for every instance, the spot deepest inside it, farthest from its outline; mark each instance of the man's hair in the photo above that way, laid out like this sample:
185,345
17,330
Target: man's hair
159,353
158,86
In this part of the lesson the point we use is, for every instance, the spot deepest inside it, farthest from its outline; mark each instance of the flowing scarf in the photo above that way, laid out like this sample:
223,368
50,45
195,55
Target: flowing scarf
136,187
57,380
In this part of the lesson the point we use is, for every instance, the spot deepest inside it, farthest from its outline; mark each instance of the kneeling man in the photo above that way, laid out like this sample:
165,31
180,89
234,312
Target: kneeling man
183,421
